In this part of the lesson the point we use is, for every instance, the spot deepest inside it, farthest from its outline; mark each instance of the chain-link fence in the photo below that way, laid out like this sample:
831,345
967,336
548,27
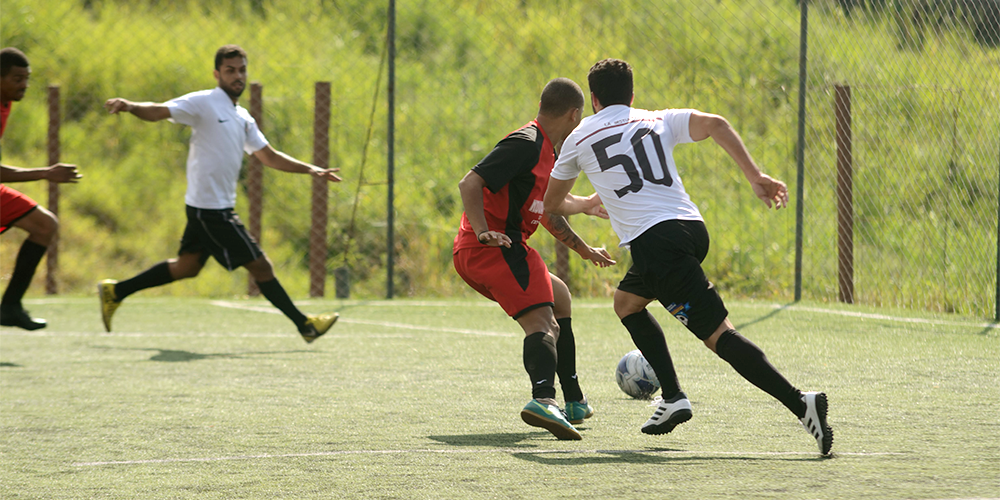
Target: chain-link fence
921,75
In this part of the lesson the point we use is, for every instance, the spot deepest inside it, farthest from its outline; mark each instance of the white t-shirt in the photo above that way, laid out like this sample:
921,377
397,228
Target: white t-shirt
220,133
627,154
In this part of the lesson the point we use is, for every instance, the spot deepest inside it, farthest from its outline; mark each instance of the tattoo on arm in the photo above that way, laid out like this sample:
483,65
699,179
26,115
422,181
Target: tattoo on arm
560,228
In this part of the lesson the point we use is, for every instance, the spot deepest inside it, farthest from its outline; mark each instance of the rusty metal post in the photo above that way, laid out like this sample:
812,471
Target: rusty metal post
255,178
320,192
845,194
52,262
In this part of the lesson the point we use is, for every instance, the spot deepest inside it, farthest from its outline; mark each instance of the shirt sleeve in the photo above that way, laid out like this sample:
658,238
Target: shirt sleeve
255,140
678,122
512,156
566,167
185,109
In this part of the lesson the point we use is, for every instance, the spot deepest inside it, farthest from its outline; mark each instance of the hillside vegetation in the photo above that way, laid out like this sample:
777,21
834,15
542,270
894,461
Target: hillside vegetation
466,74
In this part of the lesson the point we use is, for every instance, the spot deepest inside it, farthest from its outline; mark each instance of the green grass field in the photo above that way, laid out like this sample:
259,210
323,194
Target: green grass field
195,398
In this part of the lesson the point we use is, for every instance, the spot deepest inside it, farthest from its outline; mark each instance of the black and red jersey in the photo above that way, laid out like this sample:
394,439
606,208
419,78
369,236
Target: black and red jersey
516,172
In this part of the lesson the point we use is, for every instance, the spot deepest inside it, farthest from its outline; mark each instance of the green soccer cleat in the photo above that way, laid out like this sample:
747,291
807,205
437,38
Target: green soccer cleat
576,411
109,303
549,417
316,326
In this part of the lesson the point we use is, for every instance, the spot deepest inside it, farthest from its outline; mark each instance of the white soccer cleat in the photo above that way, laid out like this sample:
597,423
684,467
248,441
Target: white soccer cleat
815,420
669,414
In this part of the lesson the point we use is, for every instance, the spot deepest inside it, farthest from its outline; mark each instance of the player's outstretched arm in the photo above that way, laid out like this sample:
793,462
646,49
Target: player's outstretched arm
280,161
559,201
471,186
59,172
148,111
769,190
560,228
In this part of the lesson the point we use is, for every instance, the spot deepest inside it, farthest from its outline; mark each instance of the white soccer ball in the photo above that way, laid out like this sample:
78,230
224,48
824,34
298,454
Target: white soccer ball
635,377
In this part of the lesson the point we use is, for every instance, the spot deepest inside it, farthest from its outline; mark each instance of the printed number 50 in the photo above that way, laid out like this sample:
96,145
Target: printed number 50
635,182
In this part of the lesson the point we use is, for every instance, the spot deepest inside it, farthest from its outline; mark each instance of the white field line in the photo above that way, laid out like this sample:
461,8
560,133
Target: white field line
511,451
387,324
901,319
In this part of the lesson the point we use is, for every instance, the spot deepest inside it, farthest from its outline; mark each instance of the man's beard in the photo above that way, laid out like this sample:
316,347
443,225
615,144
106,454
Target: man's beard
233,93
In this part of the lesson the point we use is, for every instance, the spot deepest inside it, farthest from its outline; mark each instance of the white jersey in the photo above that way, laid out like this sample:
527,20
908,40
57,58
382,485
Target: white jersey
627,154
220,133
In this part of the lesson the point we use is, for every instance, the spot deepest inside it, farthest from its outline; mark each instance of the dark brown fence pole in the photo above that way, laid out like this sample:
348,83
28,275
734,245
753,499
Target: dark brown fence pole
320,192
52,262
255,177
845,194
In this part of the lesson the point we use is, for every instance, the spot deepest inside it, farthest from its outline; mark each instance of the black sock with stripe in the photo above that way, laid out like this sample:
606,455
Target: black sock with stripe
540,363
566,355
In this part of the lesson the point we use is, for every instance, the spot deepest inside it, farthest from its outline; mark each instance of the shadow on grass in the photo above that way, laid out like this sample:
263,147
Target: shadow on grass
174,356
651,456
765,317
9,365
499,440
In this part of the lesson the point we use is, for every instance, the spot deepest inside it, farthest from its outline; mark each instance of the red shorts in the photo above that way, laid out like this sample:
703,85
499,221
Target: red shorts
515,277
13,206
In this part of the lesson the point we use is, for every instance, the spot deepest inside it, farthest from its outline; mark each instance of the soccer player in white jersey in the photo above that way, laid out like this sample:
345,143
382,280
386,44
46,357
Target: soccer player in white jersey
627,154
222,131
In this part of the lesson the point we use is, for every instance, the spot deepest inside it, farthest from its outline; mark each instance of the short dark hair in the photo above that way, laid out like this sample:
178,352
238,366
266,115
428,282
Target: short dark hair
611,82
559,96
227,51
10,57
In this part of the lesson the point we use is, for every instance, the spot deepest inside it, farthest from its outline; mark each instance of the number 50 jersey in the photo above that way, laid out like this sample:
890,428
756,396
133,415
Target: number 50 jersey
627,154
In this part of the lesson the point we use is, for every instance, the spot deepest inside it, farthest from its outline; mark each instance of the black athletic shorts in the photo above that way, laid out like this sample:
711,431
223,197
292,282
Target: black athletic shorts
219,233
666,266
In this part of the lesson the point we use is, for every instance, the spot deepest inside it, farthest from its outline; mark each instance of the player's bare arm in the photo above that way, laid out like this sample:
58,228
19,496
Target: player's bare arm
560,228
769,190
281,161
59,172
148,111
471,186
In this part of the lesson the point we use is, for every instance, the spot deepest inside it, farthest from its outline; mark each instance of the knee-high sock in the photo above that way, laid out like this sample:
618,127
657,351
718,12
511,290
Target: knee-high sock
275,293
157,275
540,363
566,355
648,337
28,257
751,362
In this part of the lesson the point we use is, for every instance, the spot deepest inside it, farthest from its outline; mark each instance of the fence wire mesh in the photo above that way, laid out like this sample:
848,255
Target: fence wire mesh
923,79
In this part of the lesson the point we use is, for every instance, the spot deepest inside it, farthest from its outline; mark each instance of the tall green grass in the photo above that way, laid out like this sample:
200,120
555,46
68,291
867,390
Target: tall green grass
467,73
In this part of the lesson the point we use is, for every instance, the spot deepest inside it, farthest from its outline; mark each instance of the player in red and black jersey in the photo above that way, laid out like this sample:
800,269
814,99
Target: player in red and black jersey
502,196
17,209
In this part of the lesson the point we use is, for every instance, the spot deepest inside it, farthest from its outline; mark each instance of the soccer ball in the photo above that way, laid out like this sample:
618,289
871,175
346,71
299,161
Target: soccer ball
635,377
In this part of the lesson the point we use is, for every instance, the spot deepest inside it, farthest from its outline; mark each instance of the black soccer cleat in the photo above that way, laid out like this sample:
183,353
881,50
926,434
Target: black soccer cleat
18,317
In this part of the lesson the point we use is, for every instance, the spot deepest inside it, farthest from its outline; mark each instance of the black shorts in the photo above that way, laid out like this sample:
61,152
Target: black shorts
666,266
219,233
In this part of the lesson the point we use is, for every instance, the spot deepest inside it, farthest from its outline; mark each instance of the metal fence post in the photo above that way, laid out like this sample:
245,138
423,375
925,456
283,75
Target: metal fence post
390,140
845,193
996,306
800,148
52,261
320,191
255,177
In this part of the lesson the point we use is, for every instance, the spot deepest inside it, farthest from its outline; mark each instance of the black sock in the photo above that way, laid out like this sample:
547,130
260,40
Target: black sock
540,363
750,362
275,293
157,275
648,337
28,257
566,355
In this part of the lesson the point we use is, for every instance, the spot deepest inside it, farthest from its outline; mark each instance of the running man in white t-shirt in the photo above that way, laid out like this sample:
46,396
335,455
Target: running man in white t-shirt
627,154
222,131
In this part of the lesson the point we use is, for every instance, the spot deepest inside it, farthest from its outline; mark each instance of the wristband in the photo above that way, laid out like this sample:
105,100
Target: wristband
479,237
